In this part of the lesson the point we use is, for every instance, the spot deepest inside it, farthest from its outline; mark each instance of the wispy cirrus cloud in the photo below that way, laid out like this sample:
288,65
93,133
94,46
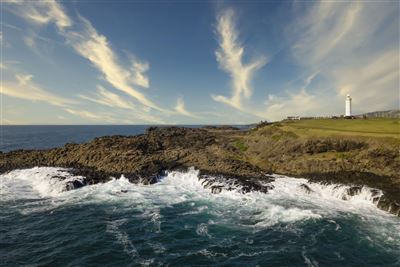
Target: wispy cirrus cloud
90,115
325,28
107,98
110,99
24,88
230,58
291,104
374,86
181,109
138,71
42,12
352,52
95,47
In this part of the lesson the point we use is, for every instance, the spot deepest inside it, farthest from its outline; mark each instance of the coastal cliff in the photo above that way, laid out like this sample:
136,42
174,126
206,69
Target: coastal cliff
247,156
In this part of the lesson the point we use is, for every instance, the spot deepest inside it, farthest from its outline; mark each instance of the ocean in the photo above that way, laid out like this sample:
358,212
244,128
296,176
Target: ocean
48,136
177,222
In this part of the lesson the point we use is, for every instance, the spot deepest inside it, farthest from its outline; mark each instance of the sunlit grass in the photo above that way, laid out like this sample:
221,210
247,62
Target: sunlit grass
358,127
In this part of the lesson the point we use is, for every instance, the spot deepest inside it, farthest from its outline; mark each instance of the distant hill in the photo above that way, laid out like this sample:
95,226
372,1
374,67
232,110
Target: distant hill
394,113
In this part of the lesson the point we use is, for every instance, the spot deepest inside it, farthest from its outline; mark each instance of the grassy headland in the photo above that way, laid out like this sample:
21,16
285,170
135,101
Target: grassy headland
306,146
358,127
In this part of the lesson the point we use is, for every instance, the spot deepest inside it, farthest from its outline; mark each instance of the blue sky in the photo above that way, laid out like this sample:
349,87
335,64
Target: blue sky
195,62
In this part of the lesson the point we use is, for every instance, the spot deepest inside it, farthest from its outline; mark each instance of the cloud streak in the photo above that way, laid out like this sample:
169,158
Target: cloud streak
230,59
181,109
93,46
353,53
43,12
90,115
107,98
291,104
25,88
339,43
110,99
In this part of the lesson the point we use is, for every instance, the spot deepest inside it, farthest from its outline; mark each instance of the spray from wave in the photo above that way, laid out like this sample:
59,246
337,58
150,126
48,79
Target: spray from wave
288,199
181,218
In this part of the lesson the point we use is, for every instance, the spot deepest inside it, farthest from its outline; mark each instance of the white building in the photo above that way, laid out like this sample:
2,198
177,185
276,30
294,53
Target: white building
348,106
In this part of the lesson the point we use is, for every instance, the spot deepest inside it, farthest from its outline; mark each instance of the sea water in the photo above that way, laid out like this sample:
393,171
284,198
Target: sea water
177,222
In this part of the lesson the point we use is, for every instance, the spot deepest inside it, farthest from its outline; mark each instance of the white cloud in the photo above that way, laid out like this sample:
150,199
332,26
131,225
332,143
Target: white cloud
42,12
105,97
25,88
93,46
373,86
309,79
90,115
230,58
181,109
324,29
96,48
354,47
110,99
138,73
299,103
30,42
107,117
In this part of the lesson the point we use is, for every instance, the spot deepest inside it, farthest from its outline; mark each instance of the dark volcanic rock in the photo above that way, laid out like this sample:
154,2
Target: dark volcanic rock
217,183
306,188
75,184
354,190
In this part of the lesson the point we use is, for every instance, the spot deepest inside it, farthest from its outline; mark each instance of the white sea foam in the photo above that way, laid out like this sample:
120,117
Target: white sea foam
36,182
113,227
288,202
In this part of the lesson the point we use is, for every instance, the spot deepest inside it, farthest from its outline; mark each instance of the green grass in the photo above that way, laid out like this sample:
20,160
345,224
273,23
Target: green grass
241,146
359,127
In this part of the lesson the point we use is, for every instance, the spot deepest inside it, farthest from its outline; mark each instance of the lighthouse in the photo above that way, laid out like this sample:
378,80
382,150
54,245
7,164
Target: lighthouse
348,106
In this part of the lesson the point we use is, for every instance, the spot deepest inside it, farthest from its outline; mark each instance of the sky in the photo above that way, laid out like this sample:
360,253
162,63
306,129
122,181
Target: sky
195,62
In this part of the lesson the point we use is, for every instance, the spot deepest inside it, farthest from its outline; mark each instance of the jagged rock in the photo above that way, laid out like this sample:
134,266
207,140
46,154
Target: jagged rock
354,190
75,184
306,188
218,183
389,205
216,189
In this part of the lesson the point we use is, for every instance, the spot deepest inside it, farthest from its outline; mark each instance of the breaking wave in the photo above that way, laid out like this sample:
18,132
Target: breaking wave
290,199
180,207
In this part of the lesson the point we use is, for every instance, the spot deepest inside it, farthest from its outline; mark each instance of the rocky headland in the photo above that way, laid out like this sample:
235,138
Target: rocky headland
241,157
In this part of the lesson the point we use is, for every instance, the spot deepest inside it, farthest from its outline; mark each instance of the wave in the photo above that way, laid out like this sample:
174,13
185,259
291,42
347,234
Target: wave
38,182
139,218
52,182
288,199
291,203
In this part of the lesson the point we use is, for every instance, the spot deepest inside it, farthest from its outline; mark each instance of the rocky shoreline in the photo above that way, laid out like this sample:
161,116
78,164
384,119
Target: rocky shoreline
244,158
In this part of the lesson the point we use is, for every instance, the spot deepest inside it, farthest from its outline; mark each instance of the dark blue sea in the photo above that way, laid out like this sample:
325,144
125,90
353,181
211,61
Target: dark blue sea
177,222
48,136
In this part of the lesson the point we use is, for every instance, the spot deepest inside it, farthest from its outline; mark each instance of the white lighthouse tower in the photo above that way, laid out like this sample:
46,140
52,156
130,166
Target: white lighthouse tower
348,106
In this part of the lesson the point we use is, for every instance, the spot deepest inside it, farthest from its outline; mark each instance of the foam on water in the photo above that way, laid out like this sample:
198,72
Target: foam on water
36,182
289,207
287,202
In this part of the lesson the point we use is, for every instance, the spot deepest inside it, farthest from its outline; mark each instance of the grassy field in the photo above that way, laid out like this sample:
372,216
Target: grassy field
358,127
